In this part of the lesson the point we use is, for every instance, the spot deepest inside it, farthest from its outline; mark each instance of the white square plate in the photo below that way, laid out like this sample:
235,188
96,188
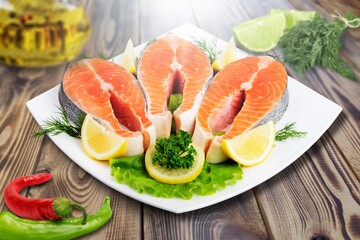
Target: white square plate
312,113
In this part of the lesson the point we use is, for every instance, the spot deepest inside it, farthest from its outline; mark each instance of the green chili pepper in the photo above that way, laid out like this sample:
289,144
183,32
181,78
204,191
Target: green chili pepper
13,227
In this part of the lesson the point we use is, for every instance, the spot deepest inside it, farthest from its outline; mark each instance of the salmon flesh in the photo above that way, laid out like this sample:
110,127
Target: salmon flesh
246,93
113,96
173,65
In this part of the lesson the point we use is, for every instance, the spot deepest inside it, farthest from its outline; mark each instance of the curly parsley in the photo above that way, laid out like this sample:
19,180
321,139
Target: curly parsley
175,152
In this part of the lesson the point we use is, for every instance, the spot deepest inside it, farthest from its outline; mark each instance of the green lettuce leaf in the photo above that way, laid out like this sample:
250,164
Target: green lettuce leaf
213,177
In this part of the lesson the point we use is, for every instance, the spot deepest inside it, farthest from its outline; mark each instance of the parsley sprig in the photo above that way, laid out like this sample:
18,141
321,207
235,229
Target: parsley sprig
175,152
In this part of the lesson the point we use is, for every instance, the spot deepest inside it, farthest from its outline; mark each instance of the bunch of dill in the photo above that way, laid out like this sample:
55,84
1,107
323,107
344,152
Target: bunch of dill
317,43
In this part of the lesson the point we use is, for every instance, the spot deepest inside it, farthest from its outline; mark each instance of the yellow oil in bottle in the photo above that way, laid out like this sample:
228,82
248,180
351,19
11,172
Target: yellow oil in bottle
41,32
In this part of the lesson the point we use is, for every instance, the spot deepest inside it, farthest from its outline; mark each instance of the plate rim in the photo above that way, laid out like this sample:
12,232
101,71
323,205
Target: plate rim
206,200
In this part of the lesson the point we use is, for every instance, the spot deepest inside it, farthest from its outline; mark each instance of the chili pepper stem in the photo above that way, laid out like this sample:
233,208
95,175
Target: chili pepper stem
84,220
63,207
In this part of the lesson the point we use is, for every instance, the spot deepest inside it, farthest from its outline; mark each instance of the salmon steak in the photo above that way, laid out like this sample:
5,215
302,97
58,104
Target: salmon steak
111,95
244,94
173,65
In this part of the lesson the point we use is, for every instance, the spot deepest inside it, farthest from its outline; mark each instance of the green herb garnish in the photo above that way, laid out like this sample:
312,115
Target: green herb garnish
174,152
316,43
131,171
57,125
208,47
219,133
103,56
174,102
288,132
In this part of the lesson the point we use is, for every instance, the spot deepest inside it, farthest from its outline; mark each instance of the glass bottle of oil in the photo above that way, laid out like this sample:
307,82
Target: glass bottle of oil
41,32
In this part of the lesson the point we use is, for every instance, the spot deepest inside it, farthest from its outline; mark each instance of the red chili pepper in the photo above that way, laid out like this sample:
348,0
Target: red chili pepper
36,208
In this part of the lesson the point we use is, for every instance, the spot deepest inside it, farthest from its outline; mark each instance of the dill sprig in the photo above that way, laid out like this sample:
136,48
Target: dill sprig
317,43
208,47
288,132
103,56
57,125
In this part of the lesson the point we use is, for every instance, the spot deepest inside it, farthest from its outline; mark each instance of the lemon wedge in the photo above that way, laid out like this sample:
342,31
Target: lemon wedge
252,147
100,143
128,58
226,56
174,176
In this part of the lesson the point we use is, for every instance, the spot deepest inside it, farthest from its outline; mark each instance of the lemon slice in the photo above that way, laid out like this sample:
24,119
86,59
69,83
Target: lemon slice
174,176
252,147
260,34
100,143
128,58
226,56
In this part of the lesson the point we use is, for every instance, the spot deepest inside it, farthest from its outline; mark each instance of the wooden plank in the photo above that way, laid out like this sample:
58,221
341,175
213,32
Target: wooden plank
326,82
345,93
217,17
68,179
18,85
236,218
314,197
284,196
158,17
317,196
71,181
113,24
342,91
263,9
326,7
109,35
351,45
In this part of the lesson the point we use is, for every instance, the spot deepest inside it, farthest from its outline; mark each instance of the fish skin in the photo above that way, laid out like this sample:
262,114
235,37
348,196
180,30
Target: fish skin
173,65
208,141
257,86
113,96
72,112
276,114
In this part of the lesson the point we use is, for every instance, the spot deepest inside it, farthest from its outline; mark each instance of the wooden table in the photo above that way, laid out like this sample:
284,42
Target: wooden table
317,197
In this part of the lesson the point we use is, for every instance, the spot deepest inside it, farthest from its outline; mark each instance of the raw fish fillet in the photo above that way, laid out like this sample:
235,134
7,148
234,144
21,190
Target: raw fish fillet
246,93
112,95
173,65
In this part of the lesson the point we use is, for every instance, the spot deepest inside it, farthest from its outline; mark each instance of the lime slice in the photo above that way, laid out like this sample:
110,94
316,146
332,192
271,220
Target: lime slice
260,34
294,16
